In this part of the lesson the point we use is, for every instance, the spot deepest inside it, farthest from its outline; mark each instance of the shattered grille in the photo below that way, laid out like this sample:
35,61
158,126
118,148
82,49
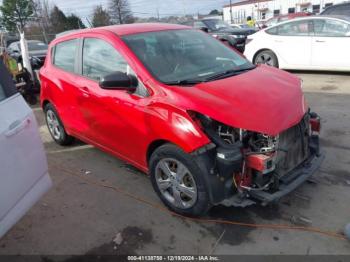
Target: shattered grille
292,147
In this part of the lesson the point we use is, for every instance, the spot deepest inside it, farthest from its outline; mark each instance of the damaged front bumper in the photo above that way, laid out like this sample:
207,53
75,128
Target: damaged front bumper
247,168
290,181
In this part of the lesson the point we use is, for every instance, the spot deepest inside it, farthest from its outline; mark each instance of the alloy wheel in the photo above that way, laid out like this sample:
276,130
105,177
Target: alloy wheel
176,183
53,124
265,58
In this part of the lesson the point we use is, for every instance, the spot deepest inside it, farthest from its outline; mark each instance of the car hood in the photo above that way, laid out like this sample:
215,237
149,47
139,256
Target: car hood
265,100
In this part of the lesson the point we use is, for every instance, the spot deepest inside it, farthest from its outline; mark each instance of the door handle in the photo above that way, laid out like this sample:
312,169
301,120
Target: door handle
85,91
16,127
320,41
278,41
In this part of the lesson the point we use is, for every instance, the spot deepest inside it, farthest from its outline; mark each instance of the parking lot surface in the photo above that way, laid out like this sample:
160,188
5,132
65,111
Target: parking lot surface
77,217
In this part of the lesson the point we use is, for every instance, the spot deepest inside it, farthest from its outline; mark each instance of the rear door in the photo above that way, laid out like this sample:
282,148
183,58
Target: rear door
292,43
23,168
331,44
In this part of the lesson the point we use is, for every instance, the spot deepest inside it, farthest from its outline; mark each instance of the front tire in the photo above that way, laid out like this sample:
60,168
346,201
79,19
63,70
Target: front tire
178,181
266,57
55,126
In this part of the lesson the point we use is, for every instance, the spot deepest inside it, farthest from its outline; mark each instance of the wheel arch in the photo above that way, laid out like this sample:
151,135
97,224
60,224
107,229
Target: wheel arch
44,103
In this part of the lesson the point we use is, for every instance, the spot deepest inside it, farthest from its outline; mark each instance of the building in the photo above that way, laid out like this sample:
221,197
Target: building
262,10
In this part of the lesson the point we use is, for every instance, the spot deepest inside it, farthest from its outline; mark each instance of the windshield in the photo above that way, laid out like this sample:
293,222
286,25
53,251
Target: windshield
216,24
36,46
179,55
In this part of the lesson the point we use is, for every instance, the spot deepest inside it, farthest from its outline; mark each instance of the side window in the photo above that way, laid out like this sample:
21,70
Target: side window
65,55
100,59
2,93
331,28
297,28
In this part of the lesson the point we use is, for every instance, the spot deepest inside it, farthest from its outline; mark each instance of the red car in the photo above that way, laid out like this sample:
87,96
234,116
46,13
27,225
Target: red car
207,125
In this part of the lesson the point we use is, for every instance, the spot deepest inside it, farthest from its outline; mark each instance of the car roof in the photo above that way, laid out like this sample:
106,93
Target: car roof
129,29
340,17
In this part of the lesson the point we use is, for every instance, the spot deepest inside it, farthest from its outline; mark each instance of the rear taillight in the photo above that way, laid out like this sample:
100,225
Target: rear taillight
315,122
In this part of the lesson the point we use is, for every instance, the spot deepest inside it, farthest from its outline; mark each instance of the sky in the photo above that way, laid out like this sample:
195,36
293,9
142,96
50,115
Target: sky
144,8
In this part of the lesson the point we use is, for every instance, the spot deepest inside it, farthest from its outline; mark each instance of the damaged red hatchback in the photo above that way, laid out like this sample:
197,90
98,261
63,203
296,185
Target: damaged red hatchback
209,127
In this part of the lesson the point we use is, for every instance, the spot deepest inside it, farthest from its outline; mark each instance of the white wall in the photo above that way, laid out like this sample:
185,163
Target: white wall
241,12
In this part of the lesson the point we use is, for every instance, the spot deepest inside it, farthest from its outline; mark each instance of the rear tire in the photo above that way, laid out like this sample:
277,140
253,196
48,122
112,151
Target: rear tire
55,126
178,181
266,57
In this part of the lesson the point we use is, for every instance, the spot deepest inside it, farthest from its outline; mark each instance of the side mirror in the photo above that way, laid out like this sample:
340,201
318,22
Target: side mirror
119,81
204,29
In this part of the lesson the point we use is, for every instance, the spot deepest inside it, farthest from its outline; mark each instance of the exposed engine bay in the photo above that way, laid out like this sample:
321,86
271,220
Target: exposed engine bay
258,162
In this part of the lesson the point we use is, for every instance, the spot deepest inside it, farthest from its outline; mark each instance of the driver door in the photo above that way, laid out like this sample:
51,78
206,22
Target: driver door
114,116
330,45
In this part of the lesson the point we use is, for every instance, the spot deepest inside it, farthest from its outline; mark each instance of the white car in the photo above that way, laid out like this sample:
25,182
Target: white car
24,174
310,43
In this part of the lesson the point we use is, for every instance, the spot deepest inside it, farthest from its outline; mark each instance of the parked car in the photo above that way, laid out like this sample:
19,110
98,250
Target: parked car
24,173
224,32
37,52
207,125
241,26
282,18
311,43
339,9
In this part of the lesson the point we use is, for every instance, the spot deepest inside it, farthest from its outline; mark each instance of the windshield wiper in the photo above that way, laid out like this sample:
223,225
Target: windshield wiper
228,73
184,82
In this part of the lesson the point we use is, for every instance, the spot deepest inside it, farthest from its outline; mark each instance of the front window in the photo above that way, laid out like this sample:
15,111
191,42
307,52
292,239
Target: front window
331,28
179,55
100,59
216,24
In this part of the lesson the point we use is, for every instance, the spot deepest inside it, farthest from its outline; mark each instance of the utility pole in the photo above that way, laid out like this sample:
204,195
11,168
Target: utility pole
158,11
231,11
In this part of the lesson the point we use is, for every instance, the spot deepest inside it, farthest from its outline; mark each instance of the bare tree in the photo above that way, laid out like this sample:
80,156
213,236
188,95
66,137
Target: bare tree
120,12
100,17
42,16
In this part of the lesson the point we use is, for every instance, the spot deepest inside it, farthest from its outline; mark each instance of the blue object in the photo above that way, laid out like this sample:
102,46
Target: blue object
347,231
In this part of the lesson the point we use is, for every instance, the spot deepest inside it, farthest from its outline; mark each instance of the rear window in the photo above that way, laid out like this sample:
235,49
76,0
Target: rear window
64,57
293,28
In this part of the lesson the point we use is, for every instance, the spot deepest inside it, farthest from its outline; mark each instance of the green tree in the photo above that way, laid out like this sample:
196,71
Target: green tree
100,17
74,22
16,13
58,20
214,12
